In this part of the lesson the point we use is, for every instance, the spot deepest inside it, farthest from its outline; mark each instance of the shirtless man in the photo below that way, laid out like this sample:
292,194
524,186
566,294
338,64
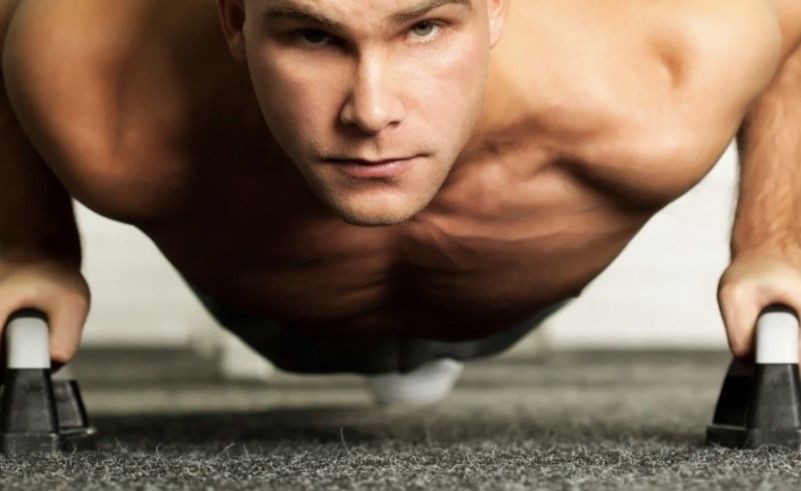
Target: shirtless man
506,152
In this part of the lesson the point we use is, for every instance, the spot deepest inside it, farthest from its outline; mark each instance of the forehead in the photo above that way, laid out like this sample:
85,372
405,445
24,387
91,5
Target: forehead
335,13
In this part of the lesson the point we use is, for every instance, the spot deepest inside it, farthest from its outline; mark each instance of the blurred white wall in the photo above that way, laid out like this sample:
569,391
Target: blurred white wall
139,300
137,297
659,293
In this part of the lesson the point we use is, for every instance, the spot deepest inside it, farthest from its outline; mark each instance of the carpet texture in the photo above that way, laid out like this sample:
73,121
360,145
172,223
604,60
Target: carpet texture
565,421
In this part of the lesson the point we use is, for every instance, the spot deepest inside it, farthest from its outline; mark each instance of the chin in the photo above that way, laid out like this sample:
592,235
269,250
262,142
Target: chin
375,204
374,218
377,216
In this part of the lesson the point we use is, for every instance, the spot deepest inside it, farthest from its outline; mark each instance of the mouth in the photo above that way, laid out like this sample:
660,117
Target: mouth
375,169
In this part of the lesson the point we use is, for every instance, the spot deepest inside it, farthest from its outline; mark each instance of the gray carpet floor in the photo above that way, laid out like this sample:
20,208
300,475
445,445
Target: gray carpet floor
563,421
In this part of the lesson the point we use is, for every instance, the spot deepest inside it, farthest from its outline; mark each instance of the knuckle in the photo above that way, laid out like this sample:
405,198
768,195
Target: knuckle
75,300
62,354
740,348
732,291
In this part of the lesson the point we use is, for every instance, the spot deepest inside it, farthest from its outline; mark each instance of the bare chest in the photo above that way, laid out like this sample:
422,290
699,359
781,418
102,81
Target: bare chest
493,247
593,130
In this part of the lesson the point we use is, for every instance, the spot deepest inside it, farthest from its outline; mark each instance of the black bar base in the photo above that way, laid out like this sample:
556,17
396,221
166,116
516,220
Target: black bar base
759,405
73,422
40,415
739,437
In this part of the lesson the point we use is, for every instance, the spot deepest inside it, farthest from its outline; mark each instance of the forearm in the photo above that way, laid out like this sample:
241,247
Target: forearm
768,217
36,215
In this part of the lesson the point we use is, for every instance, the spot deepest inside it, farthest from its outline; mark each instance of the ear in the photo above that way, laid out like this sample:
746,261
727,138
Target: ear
496,12
232,18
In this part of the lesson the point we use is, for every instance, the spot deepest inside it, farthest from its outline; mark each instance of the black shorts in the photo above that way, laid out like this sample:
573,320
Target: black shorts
292,351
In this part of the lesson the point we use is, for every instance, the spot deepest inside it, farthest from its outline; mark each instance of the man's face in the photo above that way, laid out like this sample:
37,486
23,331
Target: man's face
372,80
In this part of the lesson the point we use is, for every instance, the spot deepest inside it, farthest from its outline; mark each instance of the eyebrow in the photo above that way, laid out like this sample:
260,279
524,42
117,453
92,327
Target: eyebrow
283,9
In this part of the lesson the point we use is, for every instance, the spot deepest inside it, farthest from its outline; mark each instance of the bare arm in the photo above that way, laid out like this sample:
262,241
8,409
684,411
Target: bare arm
769,142
36,215
35,212
766,239
40,252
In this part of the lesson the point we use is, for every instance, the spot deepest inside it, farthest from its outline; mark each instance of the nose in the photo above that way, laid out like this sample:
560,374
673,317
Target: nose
371,104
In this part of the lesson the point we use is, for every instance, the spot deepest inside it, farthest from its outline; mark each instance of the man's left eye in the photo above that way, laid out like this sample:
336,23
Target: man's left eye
424,28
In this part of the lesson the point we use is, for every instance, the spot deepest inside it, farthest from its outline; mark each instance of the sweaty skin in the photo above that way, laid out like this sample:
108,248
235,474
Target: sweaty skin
595,116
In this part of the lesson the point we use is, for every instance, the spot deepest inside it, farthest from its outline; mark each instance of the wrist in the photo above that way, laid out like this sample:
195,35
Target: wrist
776,248
27,253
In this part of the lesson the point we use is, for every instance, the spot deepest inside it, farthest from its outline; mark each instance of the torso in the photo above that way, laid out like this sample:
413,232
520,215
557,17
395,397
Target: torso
598,121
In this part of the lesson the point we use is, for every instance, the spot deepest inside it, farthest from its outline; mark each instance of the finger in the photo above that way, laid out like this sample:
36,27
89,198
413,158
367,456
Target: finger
742,302
66,325
4,315
739,309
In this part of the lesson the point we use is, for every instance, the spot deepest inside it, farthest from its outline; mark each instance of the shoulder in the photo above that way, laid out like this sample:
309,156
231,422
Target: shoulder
772,22
56,58
66,63
717,57
736,37
7,9
53,32
60,44
723,54
788,16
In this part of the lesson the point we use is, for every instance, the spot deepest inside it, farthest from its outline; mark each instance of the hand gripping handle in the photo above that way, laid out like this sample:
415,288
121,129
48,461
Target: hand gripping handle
777,336
27,340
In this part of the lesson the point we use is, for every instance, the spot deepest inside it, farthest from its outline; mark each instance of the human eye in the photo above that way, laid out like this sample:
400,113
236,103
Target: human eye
313,38
424,29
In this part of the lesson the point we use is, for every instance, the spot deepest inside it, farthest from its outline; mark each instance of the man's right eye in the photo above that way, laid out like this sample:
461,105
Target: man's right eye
310,37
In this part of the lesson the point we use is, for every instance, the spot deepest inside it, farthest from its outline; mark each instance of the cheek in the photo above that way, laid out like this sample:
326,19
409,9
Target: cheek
289,97
451,85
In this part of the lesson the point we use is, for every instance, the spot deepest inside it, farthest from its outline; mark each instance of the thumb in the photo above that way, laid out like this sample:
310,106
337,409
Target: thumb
66,325
739,308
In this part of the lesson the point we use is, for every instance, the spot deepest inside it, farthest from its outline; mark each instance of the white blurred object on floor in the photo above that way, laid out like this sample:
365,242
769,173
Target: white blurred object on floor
427,384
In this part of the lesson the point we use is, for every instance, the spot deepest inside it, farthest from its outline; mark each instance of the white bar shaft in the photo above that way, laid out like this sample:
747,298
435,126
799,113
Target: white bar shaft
777,337
27,343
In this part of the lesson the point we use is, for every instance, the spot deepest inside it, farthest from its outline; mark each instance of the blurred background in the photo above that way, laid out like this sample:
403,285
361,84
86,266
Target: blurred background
659,294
